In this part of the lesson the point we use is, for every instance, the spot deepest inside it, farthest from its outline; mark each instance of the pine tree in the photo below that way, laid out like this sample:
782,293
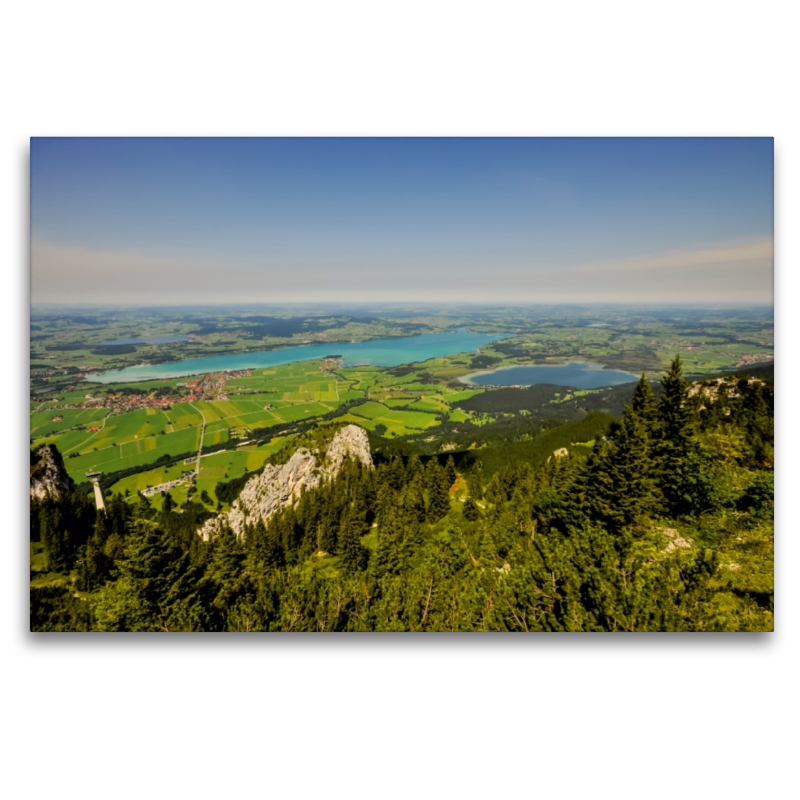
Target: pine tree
168,505
55,537
438,494
674,412
474,486
601,487
450,471
414,469
327,540
414,499
387,553
226,571
674,435
643,404
471,510
487,550
634,470
158,588
353,555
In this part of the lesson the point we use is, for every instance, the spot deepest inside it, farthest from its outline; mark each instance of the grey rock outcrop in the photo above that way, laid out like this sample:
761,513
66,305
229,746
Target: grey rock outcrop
48,475
280,486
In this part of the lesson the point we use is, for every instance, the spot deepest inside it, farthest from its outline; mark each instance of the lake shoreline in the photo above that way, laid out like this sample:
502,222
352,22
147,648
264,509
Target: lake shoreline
552,378
390,352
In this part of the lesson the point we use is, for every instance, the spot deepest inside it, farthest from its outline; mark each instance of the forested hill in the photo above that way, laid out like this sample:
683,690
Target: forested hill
665,524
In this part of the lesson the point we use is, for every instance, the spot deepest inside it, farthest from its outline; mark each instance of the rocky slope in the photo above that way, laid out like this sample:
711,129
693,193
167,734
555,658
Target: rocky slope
48,476
279,486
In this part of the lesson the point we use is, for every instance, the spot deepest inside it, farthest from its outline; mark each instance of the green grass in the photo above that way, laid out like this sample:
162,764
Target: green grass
182,415
233,464
371,410
133,454
43,425
144,480
428,405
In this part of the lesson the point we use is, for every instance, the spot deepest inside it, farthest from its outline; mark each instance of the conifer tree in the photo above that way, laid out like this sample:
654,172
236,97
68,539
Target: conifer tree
601,487
158,588
474,486
395,474
432,475
353,555
387,552
327,533
438,495
674,436
674,412
643,404
633,469
168,504
471,510
487,552
414,499
55,537
414,469
225,570
450,471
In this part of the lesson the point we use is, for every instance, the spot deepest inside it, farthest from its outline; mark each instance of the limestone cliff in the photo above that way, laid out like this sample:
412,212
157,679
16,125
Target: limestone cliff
48,475
279,486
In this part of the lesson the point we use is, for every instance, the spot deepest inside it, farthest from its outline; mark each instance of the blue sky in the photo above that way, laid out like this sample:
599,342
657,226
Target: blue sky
168,221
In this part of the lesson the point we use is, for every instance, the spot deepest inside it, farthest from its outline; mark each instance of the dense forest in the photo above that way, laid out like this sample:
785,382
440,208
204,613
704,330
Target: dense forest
663,524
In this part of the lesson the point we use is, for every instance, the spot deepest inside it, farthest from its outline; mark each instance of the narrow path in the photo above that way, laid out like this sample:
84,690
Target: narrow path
89,439
202,435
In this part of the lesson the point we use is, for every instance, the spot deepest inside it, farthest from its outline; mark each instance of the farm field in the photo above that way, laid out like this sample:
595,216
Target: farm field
233,464
213,468
42,423
132,454
392,402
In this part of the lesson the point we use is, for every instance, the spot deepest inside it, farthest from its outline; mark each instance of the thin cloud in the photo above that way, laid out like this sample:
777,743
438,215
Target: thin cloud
761,251
740,272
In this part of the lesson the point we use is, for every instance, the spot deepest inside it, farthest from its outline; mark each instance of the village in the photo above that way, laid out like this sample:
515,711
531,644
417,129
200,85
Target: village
210,386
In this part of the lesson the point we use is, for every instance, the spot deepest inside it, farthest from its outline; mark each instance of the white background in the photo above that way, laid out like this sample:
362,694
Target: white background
380,716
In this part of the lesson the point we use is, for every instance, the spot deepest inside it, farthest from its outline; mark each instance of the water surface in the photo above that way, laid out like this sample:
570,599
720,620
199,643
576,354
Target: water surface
378,352
578,374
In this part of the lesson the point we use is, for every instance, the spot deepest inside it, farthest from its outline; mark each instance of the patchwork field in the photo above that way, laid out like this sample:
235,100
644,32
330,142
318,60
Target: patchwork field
394,402
43,424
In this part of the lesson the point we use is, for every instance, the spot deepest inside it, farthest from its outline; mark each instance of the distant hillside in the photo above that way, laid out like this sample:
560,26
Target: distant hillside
545,400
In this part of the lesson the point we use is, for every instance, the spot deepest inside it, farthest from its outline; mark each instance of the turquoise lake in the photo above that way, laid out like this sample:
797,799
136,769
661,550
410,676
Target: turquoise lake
378,353
578,374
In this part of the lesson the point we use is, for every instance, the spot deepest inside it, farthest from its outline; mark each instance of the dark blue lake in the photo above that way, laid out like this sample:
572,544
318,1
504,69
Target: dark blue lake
578,374
378,352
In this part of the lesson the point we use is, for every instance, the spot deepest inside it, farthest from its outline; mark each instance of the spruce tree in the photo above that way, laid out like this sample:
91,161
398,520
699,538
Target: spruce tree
471,510
674,434
601,487
643,404
168,505
474,486
438,495
225,570
158,588
634,470
414,499
450,471
674,412
353,555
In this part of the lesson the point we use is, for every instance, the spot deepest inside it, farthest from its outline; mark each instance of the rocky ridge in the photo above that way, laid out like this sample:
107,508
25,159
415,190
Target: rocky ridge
49,477
280,486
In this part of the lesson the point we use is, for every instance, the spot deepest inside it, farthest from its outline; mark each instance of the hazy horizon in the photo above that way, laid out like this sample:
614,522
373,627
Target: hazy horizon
187,222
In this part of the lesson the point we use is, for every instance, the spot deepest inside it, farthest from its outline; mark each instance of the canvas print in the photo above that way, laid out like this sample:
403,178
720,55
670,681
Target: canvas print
401,384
